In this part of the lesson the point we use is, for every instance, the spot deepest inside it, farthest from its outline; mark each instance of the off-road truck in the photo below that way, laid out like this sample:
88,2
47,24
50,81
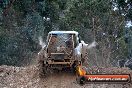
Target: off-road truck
63,49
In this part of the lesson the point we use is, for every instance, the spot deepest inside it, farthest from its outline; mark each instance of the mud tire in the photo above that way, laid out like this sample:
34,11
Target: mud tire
42,69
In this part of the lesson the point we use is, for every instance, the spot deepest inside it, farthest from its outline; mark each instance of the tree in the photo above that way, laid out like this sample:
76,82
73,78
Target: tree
95,20
124,7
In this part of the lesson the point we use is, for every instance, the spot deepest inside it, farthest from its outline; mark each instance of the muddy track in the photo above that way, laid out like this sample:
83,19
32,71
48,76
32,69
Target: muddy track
59,80
27,77
67,80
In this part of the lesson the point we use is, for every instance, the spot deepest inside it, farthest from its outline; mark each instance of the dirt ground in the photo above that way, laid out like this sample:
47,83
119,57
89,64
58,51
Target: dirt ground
27,77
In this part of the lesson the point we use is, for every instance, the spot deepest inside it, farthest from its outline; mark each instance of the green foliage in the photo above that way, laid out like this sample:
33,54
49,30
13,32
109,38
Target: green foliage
125,7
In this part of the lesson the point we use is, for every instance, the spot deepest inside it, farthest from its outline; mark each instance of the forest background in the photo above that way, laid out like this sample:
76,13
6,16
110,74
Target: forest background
108,22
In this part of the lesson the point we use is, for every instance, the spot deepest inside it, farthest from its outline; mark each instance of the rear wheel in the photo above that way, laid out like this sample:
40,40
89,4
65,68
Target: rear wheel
74,66
42,69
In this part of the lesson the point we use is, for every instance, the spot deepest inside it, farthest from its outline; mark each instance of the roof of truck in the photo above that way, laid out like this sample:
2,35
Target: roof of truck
61,32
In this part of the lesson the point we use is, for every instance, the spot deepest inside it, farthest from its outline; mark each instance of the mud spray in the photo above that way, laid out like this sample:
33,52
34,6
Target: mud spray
93,44
41,42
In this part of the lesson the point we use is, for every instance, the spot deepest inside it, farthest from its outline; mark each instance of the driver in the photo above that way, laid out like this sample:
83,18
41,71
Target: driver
53,39
53,44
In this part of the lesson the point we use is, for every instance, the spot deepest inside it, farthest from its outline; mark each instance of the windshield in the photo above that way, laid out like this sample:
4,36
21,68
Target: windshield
60,41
